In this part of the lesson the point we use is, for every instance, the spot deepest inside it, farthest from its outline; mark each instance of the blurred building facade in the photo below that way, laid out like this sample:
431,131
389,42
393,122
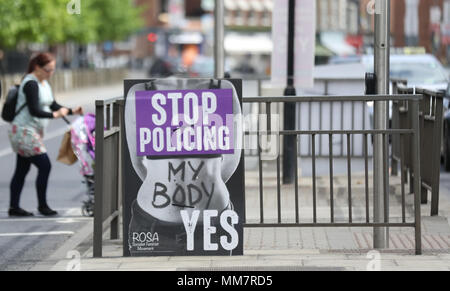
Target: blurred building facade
177,28
251,13
338,26
416,23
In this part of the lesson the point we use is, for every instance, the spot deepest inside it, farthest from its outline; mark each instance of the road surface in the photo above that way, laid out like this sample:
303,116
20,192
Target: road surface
26,241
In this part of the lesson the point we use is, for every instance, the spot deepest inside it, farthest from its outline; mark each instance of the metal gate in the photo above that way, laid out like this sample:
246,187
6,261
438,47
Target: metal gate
411,132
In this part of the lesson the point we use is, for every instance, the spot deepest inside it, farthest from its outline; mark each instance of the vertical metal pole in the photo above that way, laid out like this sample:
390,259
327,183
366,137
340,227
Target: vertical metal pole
436,157
289,107
98,206
416,168
381,59
114,231
219,52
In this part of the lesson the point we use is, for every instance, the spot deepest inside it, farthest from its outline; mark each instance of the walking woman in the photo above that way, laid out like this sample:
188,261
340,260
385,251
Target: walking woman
35,107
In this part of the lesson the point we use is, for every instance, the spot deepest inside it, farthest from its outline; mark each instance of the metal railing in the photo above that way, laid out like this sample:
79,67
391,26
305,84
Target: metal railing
108,162
351,221
64,80
108,185
430,132
395,123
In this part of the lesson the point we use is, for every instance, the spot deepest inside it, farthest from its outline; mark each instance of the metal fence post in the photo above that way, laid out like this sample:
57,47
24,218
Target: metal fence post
115,201
416,169
437,112
289,144
98,206
381,60
395,139
438,125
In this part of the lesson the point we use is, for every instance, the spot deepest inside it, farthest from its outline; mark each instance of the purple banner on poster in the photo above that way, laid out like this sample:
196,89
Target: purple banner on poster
184,122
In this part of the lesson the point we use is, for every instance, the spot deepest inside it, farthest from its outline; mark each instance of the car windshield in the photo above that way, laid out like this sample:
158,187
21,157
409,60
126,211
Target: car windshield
418,73
421,71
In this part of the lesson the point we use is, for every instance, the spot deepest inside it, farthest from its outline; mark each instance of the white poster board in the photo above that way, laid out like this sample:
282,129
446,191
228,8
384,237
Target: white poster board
304,45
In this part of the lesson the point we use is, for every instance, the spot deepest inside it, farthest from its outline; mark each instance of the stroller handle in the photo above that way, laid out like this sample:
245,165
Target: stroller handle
66,120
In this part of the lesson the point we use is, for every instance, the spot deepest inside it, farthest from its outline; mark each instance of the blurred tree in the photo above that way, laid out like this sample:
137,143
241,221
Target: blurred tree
48,21
118,19
61,26
20,21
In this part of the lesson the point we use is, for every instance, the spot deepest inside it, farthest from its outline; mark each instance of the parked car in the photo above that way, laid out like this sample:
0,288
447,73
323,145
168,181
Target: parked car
420,70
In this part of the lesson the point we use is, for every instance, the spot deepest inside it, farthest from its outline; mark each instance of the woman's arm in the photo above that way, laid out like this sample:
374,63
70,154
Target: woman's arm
56,106
31,90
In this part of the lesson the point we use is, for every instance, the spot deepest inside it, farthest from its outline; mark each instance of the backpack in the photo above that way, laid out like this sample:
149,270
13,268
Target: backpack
9,108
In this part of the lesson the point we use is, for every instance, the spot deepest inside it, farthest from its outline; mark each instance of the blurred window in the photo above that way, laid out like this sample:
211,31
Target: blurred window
252,18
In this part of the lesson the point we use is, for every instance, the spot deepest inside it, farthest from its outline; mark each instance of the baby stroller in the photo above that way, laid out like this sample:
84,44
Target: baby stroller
83,145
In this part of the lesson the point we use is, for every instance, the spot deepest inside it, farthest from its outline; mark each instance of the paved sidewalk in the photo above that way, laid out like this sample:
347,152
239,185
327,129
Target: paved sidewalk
269,260
292,250
267,249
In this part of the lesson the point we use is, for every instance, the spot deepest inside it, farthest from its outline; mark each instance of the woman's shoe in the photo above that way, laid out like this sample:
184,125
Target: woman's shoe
47,211
19,212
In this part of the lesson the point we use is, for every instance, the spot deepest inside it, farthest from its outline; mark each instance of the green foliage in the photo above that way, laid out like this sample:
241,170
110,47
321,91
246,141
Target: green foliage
19,21
117,19
48,21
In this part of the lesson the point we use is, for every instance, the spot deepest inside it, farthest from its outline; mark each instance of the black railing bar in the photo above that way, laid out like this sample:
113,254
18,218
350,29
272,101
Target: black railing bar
279,181
342,126
313,142
349,179
261,194
402,176
309,123
354,224
264,78
386,184
353,124
366,177
320,128
426,186
108,116
437,94
297,217
330,146
111,131
416,169
300,99
326,132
